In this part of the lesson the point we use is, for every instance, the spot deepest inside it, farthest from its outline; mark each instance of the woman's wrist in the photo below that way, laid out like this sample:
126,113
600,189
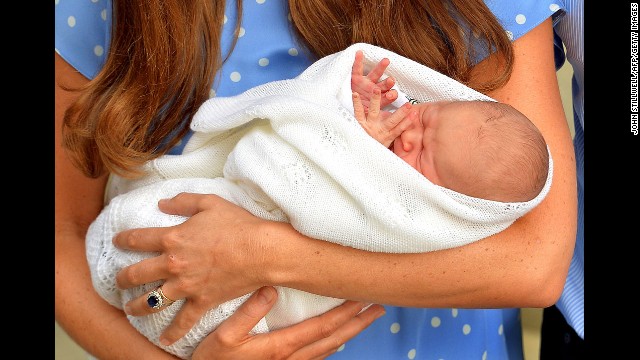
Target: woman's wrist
277,248
300,262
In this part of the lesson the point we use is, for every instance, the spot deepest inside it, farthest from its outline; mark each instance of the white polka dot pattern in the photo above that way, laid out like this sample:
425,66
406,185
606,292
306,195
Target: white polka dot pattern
395,328
435,321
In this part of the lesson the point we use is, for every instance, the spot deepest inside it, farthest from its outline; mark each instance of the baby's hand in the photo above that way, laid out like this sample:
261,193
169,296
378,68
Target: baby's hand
365,84
384,126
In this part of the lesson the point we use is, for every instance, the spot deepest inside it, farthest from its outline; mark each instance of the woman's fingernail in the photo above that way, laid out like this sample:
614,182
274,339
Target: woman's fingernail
265,295
381,313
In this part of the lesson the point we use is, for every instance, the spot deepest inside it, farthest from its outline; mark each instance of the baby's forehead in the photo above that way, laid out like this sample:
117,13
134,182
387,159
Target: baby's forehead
463,112
480,106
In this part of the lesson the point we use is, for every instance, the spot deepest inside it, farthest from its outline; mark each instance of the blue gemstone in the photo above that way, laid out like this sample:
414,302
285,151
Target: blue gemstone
153,301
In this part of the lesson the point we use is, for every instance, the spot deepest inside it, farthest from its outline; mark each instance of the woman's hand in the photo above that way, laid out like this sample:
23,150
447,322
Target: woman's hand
213,257
315,338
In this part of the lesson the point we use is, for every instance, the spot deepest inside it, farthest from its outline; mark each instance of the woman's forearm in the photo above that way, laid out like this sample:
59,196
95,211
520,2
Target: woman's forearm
516,268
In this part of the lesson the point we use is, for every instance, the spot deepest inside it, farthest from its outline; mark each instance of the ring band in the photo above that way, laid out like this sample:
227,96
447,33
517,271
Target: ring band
157,299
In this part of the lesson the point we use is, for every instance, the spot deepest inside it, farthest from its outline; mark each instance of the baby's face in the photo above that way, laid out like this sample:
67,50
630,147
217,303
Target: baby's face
438,144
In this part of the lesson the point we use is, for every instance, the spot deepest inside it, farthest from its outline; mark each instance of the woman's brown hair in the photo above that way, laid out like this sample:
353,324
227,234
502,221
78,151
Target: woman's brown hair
164,56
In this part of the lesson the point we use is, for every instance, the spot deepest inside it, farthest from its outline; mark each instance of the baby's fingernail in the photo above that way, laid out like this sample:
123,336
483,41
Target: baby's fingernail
127,309
164,341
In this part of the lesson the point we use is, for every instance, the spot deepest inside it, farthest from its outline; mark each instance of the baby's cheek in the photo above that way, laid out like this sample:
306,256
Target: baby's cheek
406,152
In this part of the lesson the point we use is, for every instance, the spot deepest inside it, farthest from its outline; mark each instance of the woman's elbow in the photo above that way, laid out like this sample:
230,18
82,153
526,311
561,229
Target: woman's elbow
547,293
544,287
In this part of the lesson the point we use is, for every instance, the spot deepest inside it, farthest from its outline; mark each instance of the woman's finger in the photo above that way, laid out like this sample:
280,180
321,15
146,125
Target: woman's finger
185,319
142,272
240,323
142,305
142,239
317,328
339,332
188,204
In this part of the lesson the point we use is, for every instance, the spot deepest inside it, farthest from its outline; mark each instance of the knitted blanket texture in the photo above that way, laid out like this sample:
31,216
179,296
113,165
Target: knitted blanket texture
291,151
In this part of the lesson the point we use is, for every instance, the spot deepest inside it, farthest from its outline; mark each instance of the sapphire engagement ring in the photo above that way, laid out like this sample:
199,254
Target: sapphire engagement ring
157,299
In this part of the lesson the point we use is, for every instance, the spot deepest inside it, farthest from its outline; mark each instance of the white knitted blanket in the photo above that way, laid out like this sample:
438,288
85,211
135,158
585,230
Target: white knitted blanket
291,151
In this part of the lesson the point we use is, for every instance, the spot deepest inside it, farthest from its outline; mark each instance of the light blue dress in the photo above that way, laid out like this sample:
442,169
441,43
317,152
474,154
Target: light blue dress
265,52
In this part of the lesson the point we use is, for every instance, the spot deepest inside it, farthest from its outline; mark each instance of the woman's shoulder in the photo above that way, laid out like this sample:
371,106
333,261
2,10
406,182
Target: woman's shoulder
519,17
82,33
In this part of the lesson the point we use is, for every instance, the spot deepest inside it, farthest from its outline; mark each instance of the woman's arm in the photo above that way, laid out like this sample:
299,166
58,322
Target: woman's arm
96,326
523,266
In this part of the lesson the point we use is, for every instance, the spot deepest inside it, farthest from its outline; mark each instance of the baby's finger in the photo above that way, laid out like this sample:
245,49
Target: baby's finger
376,73
386,84
358,65
358,109
389,97
405,124
374,106
403,114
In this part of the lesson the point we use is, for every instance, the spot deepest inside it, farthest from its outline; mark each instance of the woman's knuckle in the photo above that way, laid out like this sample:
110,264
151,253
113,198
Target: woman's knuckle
224,338
206,200
174,264
133,238
171,239
326,329
129,275
180,196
